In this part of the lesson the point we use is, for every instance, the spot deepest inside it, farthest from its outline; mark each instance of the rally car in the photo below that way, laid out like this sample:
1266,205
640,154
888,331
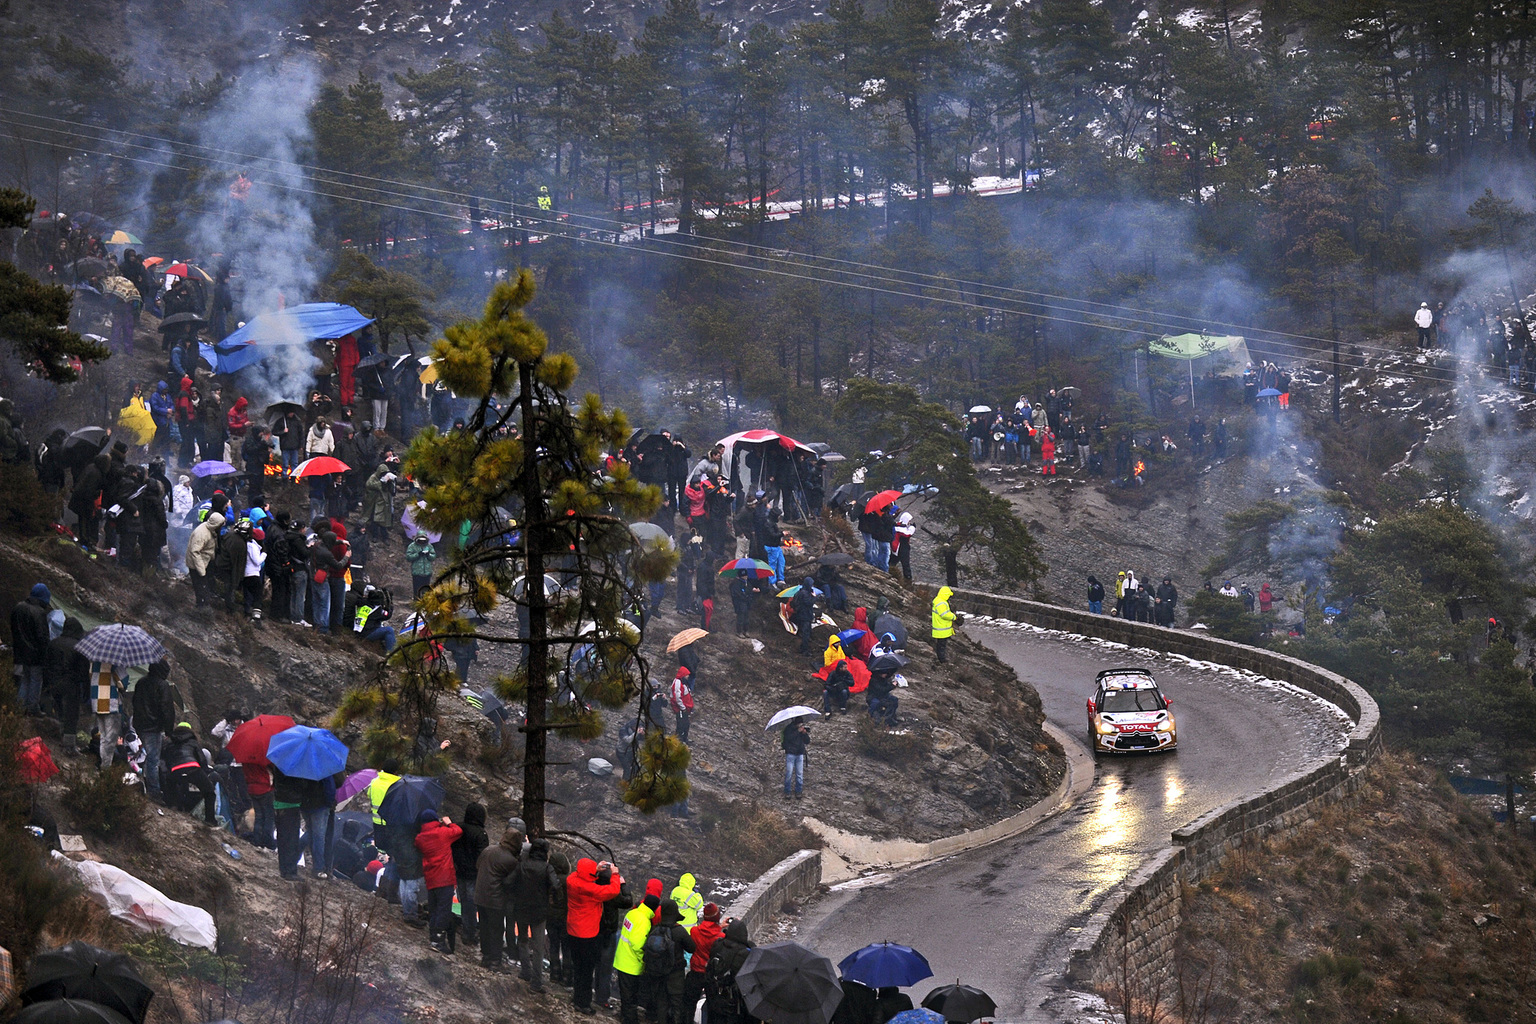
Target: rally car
1128,713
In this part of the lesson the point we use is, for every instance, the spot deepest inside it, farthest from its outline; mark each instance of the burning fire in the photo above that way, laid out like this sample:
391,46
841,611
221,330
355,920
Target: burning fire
1140,466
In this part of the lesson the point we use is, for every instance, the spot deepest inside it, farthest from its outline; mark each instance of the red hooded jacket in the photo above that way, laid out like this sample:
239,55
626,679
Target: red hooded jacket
865,643
435,841
584,898
704,935
238,420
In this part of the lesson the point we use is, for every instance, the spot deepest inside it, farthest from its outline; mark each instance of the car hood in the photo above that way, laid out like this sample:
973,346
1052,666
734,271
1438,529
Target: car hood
1132,717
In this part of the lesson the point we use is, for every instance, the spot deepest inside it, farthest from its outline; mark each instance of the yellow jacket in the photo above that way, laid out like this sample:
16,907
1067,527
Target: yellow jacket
135,420
689,903
629,958
376,790
834,654
943,618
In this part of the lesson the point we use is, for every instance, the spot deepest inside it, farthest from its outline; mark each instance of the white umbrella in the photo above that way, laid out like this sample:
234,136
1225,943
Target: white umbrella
789,714
977,410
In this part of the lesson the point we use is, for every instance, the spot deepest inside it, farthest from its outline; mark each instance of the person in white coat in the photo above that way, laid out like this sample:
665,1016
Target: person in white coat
1424,320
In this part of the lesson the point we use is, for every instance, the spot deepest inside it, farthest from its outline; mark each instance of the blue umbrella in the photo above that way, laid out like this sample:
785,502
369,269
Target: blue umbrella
305,753
406,799
213,467
849,636
1269,393
917,1017
885,964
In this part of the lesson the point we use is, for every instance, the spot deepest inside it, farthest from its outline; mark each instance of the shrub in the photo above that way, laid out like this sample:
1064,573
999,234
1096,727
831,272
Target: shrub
103,806
25,508
30,893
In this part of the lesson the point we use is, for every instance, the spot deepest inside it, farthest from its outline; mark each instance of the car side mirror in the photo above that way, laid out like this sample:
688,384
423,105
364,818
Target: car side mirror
1092,707
1167,703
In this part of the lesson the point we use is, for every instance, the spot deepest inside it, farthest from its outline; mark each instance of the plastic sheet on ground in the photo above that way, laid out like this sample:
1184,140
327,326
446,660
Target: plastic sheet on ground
142,905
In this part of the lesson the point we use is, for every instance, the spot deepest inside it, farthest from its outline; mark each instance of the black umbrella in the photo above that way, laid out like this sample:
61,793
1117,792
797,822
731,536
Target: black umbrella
887,663
372,360
181,319
406,799
277,409
788,984
836,558
87,437
69,1011
90,266
80,970
843,495
961,1003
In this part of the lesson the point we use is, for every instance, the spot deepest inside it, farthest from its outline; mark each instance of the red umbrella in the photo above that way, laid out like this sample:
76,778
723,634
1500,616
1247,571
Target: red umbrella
321,465
179,269
248,745
881,500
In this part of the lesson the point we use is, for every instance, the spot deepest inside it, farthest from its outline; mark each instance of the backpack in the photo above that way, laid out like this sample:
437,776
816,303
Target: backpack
660,952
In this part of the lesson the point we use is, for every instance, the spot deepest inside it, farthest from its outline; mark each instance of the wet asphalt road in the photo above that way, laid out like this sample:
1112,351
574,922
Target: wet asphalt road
1001,917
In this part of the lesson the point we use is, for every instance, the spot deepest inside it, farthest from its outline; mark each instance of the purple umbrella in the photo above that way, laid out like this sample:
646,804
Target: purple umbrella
411,529
355,784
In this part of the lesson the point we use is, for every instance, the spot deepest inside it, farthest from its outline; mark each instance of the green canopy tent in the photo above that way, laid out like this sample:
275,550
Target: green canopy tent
1216,353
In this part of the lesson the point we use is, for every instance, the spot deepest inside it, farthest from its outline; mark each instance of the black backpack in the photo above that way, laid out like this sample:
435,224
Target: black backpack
660,952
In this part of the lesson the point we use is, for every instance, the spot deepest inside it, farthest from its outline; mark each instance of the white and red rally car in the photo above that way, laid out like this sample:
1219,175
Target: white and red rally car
1128,713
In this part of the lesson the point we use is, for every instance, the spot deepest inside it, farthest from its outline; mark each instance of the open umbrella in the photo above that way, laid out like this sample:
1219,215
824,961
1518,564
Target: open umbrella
789,714
121,237
881,500
792,591
520,586
885,964
489,705
121,645
82,971
1269,393
199,274
410,796
321,465
408,520
762,570
918,1016
307,753
849,636
177,269
843,494
88,437
888,663
372,360
1070,389
355,784
248,743
650,536
151,262
836,558
91,266
685,638
961,1003
213,467
978,410
179,319
788,984
277,409
70,1011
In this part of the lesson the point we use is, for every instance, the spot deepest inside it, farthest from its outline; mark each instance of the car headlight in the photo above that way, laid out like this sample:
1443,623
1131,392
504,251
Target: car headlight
1166,725
1105,729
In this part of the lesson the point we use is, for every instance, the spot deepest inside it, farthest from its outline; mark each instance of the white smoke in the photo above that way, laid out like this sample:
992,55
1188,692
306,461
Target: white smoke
270,237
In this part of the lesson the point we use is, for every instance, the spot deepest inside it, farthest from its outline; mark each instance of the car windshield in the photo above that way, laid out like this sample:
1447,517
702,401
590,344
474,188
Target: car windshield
1121,701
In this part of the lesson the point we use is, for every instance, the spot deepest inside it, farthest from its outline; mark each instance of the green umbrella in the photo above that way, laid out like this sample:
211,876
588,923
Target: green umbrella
1190,347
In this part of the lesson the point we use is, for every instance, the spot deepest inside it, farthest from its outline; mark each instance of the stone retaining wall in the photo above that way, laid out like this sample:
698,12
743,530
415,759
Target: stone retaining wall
1128,947
793,878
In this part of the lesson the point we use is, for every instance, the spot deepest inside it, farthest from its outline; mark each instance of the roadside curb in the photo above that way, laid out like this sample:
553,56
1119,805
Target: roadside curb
846,855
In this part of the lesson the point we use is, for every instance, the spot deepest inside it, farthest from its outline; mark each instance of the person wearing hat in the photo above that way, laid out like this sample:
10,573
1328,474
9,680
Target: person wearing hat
1095,595
705,934
629,957
187,770
435,841
1424,320
154,717
680,697
493,903
29,646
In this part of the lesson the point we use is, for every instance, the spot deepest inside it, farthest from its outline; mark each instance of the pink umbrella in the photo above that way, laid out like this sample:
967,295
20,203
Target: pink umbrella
355,784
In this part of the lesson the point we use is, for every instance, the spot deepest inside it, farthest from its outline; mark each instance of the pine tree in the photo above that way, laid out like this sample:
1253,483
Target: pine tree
34,317
524,487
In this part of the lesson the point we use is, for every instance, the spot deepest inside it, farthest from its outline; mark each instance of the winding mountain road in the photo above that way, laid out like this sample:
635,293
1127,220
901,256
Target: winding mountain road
1001,917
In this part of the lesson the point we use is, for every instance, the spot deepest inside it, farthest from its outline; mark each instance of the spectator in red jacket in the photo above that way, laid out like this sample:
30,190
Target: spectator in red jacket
704,935
435,841
584,897
866,643
258,782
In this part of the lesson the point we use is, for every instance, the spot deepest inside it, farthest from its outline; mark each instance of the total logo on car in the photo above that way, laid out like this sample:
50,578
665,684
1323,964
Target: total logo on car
1127,713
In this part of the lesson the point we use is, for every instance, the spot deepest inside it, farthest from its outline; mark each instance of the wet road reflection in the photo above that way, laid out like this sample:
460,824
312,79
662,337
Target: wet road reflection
1001,917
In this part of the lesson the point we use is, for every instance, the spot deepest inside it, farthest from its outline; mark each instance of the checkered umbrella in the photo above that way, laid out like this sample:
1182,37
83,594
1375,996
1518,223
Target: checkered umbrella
121,645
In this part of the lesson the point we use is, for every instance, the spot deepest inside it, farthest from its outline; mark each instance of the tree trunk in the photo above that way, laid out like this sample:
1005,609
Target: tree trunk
537,738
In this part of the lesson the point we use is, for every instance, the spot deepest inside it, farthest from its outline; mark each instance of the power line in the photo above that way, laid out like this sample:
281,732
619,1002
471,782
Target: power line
1289,349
